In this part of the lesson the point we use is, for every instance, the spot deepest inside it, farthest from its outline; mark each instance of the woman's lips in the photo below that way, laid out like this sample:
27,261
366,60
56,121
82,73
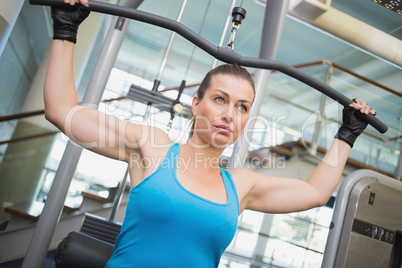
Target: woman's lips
223,129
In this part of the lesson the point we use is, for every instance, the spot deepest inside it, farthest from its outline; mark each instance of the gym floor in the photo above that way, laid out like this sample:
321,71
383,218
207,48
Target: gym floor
48,263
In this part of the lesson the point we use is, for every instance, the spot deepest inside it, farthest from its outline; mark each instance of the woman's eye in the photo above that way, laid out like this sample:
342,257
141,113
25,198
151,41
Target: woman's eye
243,108
219,99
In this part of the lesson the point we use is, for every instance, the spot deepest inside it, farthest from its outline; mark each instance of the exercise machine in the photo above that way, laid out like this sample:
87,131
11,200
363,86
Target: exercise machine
221,53
224,54
366,227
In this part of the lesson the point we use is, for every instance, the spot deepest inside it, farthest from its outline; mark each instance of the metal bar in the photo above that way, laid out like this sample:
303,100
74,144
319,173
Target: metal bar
194,47
274,19
365,79
30,137
318,125
54,205
119,196
51,213
398,171
222,53
343,69
170,44
21,115
320,115
225,29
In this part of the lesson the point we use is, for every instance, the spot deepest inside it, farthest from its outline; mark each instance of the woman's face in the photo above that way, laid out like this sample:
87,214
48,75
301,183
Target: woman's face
223,112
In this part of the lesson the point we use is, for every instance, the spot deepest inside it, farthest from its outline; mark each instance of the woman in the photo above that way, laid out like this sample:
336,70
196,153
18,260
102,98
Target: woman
183,207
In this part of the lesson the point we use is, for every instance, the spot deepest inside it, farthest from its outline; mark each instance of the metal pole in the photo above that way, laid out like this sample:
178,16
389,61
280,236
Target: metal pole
225,29
275,15
398,173
321,115
54,204
119,195
164,60
170,44
318,124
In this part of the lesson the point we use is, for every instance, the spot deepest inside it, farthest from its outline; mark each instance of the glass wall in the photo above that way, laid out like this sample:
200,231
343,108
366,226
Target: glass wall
280,240
291,110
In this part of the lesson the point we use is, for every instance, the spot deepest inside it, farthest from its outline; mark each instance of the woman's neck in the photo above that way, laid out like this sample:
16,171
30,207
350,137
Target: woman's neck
202,155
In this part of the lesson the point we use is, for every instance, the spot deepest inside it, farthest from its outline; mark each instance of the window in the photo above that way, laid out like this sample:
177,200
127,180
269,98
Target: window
280,240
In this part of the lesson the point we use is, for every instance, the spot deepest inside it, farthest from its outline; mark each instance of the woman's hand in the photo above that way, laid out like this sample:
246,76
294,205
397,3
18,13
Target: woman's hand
66,21
362,107
352,126
73,2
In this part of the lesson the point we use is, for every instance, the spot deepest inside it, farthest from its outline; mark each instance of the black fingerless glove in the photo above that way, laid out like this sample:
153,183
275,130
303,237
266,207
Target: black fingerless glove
351,127
66,21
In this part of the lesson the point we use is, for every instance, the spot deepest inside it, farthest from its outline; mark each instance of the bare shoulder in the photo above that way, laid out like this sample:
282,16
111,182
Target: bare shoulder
144,134
249,179
250,185
244,180
238,173
148,140
147,153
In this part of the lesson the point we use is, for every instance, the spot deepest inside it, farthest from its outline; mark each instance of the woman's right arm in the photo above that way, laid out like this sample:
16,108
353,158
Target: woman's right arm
90,128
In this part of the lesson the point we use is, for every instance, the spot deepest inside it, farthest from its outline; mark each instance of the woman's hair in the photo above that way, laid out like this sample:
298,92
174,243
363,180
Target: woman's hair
227,69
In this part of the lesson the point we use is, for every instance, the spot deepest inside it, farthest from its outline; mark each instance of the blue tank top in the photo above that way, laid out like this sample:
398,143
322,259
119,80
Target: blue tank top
168,226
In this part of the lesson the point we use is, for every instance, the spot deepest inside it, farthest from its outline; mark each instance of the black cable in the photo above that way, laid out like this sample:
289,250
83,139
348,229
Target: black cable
199,32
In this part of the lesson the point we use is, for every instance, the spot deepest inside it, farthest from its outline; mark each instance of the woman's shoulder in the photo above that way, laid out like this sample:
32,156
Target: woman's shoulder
151,141
243,178
244,181
148,135
153,147
239,172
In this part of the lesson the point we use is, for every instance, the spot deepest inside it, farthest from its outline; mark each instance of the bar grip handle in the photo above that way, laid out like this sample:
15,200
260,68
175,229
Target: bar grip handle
373,121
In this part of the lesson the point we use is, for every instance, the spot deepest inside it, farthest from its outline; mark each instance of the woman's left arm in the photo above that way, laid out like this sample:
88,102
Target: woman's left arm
284,195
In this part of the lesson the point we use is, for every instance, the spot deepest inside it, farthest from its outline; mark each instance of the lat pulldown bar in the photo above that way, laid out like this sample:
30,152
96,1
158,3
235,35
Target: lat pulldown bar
220,53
